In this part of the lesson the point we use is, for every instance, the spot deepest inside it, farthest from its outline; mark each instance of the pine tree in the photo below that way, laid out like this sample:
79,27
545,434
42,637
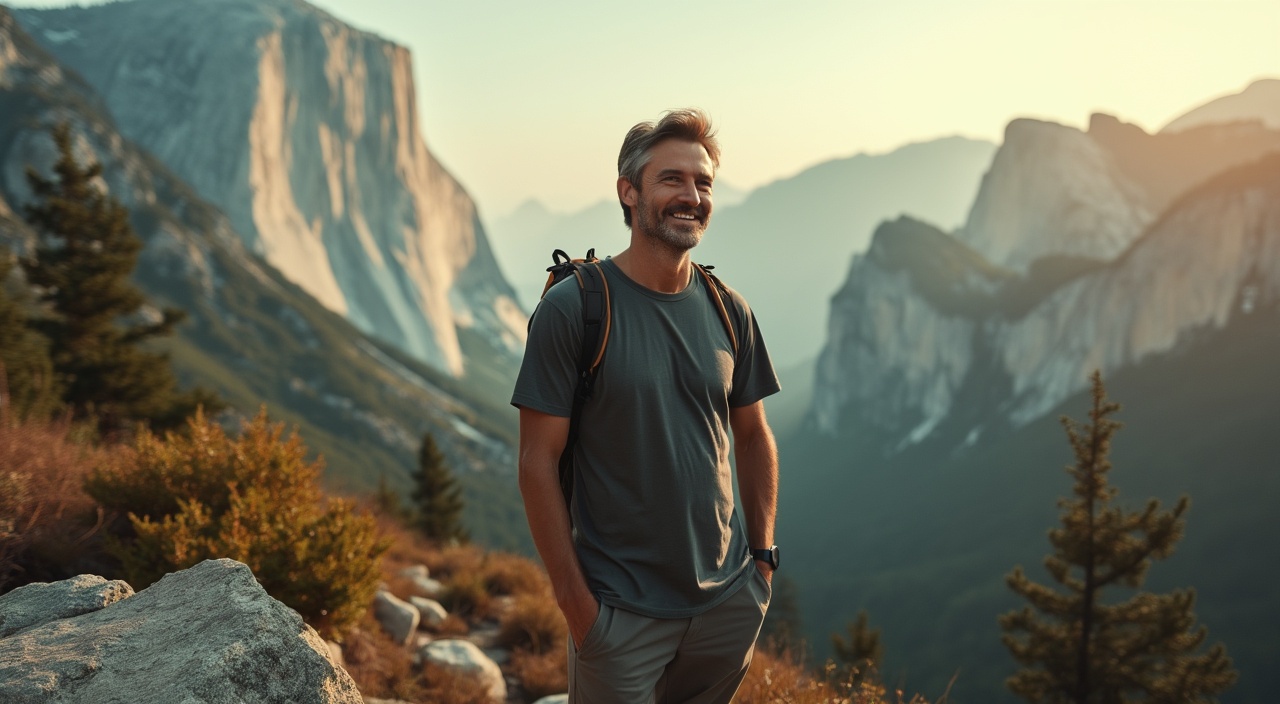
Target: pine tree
27,385
1074,646
81,268
862,651
436,495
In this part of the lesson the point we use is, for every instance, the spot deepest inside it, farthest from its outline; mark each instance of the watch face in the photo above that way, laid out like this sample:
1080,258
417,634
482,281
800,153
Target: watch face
776,556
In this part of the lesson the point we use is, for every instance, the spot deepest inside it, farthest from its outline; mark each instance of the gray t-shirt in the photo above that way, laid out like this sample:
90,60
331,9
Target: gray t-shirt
655,522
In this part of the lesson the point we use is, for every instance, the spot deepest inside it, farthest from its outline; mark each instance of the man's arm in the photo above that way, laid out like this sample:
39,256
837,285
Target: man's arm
757,458
542,438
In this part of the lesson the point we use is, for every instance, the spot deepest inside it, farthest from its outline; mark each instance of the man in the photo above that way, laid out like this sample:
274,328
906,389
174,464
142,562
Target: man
655,573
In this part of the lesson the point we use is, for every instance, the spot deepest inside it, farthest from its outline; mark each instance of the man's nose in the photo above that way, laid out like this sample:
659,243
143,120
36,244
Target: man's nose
689,193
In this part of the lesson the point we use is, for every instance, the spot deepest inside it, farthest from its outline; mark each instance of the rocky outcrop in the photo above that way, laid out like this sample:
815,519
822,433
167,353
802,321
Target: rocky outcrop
904,342
1213,256
895,358
1052,190
305,131
37,604
207,634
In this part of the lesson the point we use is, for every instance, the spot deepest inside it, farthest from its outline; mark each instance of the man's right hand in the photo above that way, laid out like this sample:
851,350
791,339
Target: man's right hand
581,615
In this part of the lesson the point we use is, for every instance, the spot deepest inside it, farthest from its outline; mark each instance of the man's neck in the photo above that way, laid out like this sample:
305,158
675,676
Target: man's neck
654,266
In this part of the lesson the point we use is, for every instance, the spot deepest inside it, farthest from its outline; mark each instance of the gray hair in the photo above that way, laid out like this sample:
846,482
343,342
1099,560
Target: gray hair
689,124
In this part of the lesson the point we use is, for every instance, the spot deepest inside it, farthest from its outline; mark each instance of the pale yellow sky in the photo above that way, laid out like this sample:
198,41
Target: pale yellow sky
531,100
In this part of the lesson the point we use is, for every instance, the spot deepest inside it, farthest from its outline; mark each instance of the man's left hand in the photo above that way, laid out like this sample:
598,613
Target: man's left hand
765,569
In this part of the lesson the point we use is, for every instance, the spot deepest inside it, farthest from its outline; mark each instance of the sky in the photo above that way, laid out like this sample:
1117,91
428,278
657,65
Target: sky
525,100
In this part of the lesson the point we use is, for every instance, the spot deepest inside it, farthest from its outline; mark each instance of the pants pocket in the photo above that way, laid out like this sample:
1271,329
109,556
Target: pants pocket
596,633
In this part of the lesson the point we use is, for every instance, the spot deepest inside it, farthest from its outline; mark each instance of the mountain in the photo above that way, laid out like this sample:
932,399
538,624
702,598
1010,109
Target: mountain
252,335
1258,102
825,213
787,245
929,464
304,131
527,236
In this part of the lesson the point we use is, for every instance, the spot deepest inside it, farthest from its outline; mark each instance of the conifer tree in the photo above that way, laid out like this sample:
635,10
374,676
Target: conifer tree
1074,645
81,268
436,495
863,648
27,382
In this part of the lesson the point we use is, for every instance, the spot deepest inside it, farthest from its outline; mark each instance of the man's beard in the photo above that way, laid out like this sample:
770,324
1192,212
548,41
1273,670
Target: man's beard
654,224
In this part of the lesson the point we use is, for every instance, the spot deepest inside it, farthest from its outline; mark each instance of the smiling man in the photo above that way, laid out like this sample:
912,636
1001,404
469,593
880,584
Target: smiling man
663,586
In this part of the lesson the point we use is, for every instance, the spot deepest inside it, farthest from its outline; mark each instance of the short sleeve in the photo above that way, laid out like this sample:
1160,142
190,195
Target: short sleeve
753,374
548,372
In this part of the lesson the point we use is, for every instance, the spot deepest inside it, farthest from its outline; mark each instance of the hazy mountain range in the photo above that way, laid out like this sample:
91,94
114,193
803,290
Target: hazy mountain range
805,226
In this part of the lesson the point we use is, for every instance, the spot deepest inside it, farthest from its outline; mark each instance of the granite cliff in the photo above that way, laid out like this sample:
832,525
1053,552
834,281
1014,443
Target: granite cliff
305,132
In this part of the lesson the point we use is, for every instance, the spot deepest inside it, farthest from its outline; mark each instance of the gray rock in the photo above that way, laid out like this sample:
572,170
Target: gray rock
42,602
464,656
432,613
207,635
426,586
554,699
398,619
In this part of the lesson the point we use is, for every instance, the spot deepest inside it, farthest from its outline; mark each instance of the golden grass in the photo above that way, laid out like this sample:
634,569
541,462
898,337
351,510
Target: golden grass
541,674
47,522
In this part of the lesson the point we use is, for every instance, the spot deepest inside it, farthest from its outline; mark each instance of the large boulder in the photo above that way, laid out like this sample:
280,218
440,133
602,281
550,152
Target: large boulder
206,635
42,602
464,656
398,619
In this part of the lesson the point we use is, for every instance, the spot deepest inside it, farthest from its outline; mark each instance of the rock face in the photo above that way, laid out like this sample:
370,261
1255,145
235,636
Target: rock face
1066,271
305,132
37,604
1052,190
208,634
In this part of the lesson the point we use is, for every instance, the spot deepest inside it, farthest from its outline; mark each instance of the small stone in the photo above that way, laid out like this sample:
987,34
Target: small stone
463,656
398,619
432,613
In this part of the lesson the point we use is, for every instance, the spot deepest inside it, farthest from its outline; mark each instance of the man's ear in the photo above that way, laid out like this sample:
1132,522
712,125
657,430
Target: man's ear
627,193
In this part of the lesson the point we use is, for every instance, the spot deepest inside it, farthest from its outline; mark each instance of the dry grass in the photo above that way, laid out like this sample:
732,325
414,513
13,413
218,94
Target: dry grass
534,623
48,524
380,667
782,678
541,674
444,686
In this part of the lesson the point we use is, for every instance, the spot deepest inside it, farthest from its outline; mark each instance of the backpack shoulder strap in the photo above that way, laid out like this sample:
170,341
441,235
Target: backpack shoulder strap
720,297
596,323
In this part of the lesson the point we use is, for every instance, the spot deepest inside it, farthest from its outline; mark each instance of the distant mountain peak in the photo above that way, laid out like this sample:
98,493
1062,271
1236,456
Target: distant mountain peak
1258,102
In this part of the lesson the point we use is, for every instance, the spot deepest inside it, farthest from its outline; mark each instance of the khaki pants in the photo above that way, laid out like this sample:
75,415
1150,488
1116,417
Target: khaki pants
627,658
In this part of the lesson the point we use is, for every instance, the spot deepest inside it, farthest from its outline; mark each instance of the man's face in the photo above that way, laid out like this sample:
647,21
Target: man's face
673,203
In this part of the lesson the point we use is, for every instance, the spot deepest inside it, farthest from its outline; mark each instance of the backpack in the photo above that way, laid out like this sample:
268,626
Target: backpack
597,316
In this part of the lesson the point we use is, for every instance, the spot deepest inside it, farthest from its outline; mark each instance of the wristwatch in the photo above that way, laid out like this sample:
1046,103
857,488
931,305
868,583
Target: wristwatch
769,555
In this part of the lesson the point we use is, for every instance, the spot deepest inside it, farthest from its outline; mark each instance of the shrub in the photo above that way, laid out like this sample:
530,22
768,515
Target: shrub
201,495
46,520
533,622
541,674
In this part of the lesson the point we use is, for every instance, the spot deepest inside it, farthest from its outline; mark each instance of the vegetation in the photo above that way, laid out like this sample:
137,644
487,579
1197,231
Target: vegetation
436,495
200,494
1074,646
862,651
27,383
80,268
